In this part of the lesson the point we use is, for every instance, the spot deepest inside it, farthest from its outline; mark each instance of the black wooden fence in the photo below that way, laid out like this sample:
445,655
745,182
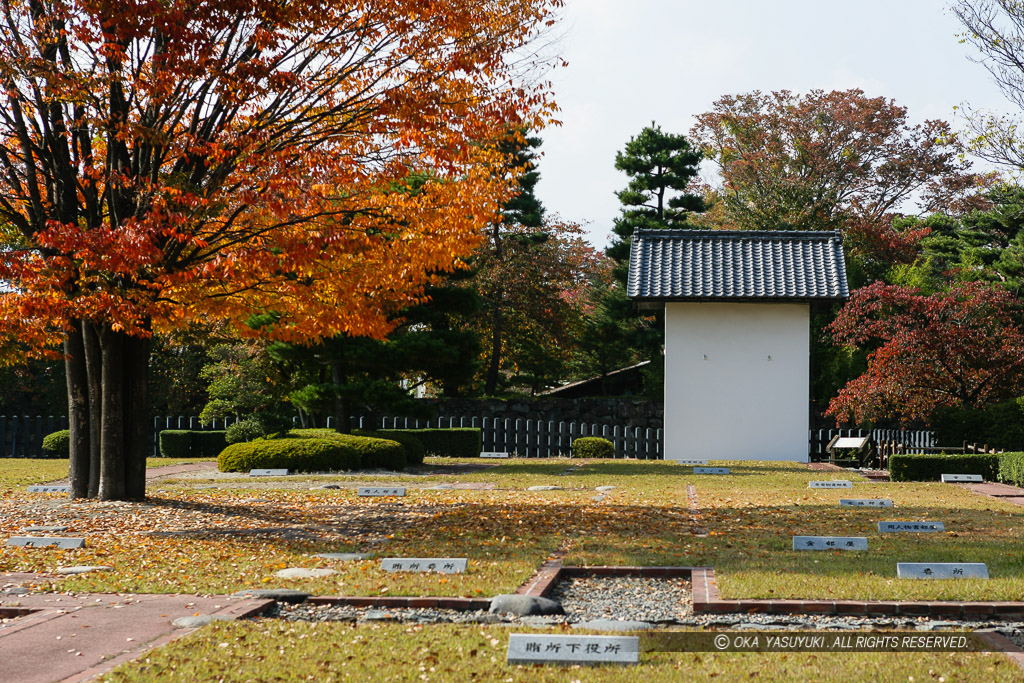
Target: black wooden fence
22,437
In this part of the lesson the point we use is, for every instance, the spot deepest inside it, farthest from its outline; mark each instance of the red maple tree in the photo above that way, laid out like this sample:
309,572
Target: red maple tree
961,347
167,163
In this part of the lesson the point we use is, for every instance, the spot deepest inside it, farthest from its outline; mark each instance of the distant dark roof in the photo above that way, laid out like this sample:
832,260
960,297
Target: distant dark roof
736,265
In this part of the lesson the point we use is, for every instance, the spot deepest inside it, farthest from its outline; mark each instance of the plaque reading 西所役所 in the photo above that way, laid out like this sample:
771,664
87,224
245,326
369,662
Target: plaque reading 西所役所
865,502
910,527
268,473
961,478
711,470
441,565
381,491
541,648
46,542
494,454
831,484
43,488
830,543
693,463
941,570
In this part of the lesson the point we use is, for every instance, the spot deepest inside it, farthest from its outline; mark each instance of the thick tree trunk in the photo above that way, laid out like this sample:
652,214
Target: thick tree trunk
137,420
112,423
78,410
94,375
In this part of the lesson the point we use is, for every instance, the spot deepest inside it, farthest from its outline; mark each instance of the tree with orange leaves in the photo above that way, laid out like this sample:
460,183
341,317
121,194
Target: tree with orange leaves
192,160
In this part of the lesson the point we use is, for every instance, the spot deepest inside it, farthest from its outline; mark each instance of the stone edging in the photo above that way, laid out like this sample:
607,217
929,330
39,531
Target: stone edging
394,602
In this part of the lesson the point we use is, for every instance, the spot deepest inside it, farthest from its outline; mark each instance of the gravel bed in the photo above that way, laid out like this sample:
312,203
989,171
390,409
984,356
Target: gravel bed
659,602
624,599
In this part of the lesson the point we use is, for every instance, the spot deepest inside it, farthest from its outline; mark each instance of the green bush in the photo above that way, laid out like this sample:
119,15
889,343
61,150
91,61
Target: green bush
244,430
461,442
414,449
301,451
192,443
1011,468
58,444
932,467
592,447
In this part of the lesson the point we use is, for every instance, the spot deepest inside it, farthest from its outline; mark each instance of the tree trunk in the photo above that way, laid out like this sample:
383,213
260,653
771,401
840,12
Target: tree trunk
94,375
494,365
78,410
112,424
136,409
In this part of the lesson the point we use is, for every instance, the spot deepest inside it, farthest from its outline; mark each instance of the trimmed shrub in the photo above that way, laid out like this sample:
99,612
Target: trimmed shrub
414,449
299,452
1011,468
461,442
244,430
58,444
932,467
592,447
192,443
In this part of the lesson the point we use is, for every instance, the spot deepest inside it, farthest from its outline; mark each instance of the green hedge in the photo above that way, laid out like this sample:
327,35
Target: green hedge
414,449
191,443
932,467
463,442
1011,468
58,444
593,447
304,450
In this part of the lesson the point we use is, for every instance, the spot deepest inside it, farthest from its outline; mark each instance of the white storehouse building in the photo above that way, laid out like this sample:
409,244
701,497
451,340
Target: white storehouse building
737,308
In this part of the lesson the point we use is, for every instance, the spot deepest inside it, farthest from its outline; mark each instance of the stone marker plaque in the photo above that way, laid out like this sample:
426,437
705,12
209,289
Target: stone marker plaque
941,570
46,542
955,478
912,527
830,543
850,442
540,648
268,473
711,470
831,484
441,565
381,491
49,489
494,454
865,502
693,463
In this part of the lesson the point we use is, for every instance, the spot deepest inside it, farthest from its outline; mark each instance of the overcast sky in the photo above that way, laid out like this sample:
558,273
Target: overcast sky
632,62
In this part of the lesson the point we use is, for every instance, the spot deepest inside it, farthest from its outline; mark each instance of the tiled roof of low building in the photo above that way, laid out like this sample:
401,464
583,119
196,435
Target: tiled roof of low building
720,265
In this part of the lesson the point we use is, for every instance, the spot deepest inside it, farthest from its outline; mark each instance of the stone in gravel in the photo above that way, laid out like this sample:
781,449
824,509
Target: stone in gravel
15,590
545,488
82,569
614,625
378,615
344,557
936,625
46,529
197,621
598,498
538,620
523,605
278,594
303,573
605,488
326,486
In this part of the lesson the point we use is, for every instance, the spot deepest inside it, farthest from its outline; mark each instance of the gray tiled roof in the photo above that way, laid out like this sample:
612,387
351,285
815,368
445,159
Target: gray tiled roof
707,265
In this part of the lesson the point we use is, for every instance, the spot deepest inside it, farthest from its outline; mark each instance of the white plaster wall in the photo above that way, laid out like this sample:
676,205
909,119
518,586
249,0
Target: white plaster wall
736,404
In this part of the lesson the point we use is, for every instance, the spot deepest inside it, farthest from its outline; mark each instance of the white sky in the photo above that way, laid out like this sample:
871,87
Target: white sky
632,62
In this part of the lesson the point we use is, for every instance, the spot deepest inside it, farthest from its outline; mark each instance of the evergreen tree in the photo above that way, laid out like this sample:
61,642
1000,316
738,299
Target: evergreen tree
660,167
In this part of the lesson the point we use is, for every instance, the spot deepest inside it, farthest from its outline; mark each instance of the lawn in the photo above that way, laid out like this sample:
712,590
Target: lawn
221,535
270,651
